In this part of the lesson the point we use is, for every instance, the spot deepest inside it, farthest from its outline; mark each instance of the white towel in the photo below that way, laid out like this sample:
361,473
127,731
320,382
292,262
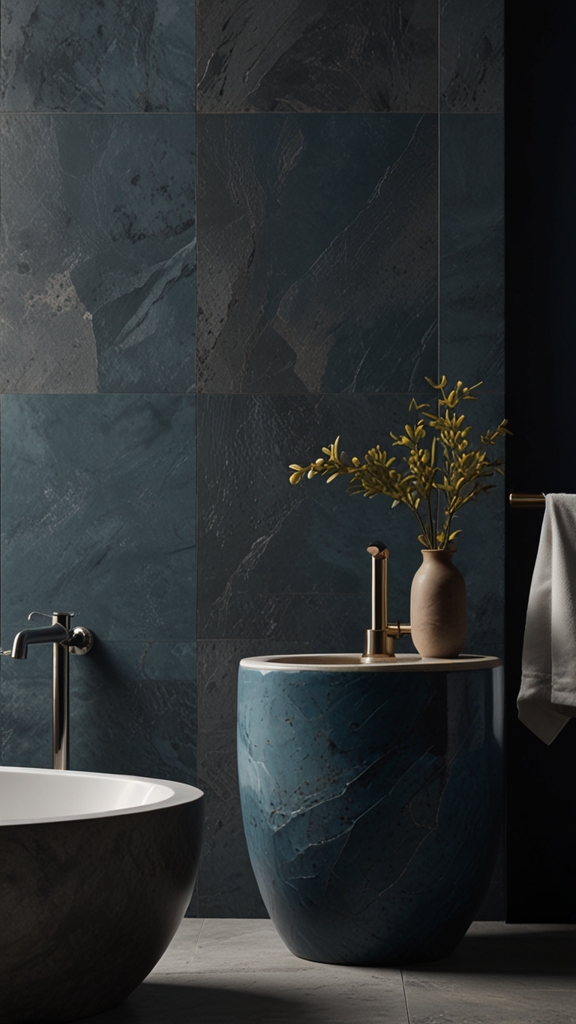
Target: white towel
547,698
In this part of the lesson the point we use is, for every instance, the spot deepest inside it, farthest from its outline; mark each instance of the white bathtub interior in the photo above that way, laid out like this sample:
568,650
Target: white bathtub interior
36,794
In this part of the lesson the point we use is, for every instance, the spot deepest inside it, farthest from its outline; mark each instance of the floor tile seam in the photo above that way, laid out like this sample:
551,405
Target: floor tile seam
200,930
238,970
408,1019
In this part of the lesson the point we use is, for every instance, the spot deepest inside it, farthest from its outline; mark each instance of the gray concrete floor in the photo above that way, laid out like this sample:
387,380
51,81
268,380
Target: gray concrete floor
240,972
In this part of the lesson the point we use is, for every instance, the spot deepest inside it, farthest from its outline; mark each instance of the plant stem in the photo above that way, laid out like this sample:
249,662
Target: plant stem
419,518
431,520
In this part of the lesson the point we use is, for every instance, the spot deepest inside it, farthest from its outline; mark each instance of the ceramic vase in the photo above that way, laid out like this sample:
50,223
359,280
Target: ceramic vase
438,606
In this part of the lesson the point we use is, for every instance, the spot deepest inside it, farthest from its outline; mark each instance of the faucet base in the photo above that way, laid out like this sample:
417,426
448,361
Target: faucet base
379,643
368,659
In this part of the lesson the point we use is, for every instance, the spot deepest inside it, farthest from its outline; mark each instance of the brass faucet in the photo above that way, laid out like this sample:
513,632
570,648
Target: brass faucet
379,642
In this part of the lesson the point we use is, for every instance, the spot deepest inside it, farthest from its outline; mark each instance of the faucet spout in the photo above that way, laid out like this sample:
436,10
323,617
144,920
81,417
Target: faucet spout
53,634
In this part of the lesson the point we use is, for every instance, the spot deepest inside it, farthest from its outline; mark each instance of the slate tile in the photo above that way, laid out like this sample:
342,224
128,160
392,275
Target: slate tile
290,564
218,662
472,248
317,252
47,335
132,710
98,253
472,56
226,886
100,55
323,56
98,512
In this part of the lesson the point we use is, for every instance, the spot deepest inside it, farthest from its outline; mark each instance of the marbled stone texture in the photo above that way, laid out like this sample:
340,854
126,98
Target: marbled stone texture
371,805
321,56
98,253
89,906
318,252
472,56
289,563
106,55
472,248
98,512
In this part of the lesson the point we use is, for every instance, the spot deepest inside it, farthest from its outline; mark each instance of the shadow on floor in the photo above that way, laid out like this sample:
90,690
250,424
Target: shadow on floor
551,952
174,1003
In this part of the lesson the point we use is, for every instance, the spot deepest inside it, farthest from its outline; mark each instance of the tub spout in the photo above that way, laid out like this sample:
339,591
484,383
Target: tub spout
55,634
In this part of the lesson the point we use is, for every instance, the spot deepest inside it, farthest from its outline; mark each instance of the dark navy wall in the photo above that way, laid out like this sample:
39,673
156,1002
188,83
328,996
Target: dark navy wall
349,206
541,360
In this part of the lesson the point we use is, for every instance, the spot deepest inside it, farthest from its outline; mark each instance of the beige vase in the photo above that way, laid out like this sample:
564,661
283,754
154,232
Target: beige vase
438,606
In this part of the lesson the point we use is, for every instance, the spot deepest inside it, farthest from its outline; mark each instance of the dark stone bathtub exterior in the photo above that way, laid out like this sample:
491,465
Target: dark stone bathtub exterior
371,806
88,907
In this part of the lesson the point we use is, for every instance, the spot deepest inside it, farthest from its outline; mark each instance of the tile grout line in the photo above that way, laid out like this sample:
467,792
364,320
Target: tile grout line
405,997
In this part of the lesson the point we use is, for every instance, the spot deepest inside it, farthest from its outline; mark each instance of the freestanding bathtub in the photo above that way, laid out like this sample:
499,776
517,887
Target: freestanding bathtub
96,872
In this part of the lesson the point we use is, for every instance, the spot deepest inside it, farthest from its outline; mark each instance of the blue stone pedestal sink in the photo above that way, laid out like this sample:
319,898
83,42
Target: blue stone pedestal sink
371,800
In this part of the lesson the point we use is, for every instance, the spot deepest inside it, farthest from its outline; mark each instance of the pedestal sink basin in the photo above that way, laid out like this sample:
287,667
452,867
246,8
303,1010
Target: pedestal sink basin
371,799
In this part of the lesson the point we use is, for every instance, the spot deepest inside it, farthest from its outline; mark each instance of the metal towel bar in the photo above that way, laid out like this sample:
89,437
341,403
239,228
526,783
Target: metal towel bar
527,501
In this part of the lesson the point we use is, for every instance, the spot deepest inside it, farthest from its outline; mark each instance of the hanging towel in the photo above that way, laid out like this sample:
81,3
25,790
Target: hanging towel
547,698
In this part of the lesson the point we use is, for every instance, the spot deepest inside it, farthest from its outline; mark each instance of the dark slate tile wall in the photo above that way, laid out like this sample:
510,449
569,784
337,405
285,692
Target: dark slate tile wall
472,56
98,252
349,237
107,55
97,311
472,248
337,226
133,708
97,510
327,55
318,252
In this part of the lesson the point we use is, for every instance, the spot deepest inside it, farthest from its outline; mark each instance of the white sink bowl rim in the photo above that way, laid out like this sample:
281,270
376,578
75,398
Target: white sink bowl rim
353,663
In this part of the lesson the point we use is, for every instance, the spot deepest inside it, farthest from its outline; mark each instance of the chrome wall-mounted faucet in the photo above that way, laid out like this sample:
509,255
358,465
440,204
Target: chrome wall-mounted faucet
379,641
65,641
